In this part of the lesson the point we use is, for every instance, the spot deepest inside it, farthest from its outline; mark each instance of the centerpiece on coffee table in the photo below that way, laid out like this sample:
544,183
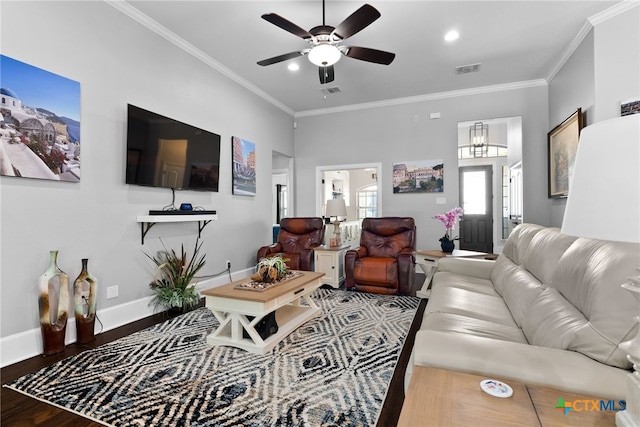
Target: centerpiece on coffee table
269,272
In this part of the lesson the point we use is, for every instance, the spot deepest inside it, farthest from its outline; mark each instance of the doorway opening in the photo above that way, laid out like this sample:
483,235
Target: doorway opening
495,143
476,197
281,187
358,185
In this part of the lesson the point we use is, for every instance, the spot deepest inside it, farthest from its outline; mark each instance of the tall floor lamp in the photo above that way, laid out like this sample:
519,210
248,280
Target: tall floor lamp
336,208
604,203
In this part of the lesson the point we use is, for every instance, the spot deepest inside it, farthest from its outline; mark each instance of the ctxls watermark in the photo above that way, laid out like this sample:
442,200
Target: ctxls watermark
590,405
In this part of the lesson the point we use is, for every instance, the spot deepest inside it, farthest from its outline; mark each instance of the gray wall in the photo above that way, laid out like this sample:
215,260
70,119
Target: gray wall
601,72
390,134
617,62
118,61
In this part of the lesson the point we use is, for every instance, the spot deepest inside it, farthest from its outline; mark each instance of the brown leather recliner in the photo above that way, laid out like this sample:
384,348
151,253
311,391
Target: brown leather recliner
296,239
384,262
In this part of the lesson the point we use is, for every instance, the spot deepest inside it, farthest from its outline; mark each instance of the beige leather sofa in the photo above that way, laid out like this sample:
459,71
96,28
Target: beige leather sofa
549,311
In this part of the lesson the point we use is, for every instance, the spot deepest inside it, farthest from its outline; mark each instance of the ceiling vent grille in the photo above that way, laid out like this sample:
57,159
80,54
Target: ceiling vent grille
330,90
464,69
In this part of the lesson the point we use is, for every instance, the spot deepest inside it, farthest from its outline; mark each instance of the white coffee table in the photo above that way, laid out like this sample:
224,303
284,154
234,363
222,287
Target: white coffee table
231,307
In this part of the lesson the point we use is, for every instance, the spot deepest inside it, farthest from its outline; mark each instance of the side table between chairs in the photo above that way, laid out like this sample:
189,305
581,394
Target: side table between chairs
428,262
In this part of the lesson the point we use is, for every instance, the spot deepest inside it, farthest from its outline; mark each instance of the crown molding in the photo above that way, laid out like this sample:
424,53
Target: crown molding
428,97
613,11
592,21
569,50
170,36
141,18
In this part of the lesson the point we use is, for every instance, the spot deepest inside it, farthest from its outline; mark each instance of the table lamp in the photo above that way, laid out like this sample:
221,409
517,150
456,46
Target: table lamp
604,203
336,208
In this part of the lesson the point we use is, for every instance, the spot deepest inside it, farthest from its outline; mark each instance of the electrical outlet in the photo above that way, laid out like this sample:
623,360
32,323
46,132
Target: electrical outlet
112,292
228,265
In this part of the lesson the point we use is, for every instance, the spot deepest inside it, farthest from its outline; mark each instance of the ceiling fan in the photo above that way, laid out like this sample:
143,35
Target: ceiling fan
326,48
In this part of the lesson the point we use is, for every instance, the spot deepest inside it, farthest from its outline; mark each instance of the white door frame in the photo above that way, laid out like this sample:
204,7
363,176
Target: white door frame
321,169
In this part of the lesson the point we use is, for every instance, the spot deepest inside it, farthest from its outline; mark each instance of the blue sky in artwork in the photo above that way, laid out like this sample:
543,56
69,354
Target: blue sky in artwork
247,147
41,89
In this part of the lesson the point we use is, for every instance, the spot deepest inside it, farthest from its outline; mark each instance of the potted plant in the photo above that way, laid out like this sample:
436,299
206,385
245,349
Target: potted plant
447,242
172,286
270,269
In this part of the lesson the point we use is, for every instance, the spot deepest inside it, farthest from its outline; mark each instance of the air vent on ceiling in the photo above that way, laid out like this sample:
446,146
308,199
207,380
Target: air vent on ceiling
464,69
330,90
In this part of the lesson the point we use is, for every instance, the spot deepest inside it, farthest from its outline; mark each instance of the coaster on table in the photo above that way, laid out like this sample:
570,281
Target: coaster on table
496,388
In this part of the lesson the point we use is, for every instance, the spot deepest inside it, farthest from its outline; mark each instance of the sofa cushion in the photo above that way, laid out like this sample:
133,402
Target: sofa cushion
379,271
589,275
518,241
448,322
544,251
460,281
552,321
471,304
520,285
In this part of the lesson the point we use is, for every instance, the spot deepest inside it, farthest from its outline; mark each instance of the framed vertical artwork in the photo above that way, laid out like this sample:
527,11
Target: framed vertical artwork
243,168
39,124
562,148
418,176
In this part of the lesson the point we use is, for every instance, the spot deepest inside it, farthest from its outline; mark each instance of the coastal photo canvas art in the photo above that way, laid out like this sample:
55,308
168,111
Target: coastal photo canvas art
40,123
244,167
418,176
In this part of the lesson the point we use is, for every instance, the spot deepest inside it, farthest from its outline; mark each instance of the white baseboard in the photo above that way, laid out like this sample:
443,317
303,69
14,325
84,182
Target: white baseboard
18,347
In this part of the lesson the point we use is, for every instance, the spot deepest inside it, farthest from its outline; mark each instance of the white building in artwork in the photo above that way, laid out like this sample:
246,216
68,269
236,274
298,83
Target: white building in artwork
9,100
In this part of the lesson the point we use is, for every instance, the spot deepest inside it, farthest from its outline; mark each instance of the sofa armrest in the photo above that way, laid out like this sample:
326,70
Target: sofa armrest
524,363
480,268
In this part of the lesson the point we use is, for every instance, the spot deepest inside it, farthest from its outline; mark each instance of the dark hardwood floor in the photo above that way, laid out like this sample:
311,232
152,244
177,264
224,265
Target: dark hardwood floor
22,411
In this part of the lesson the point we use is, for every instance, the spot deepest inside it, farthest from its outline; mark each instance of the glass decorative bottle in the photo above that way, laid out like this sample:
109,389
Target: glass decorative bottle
54,306
85,318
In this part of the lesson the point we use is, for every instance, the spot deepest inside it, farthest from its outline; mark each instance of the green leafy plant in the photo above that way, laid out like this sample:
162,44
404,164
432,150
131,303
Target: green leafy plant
270,269
174,272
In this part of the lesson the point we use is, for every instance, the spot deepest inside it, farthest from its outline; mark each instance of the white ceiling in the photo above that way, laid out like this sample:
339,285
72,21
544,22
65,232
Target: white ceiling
517,42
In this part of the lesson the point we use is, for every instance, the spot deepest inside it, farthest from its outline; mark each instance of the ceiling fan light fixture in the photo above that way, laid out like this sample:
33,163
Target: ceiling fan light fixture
324,55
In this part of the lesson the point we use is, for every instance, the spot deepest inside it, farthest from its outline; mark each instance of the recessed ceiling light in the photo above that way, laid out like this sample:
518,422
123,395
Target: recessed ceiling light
293,66
451,36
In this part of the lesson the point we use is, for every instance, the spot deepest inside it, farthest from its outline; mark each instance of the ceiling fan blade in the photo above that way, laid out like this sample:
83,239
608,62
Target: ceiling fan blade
286,25
370,55
357,21
326,74
280,58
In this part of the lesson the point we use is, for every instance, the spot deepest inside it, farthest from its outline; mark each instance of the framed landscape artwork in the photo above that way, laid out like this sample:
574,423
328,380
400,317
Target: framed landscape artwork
243,167
40,123
418,176
562,149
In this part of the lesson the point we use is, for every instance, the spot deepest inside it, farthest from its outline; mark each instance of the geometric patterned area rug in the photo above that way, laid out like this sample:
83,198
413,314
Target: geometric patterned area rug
332,371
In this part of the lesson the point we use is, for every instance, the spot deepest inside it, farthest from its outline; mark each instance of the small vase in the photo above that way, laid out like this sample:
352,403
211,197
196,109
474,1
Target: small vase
448,246
54,306
85,321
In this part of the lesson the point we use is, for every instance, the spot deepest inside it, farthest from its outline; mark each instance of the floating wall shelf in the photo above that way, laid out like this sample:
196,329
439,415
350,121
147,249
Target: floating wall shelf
148,221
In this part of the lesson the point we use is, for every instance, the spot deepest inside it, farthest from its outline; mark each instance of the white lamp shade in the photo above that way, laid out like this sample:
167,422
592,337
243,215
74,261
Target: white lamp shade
324,55
604,195
336,207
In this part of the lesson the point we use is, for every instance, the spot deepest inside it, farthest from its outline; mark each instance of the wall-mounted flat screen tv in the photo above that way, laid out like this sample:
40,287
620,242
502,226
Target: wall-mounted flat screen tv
163,152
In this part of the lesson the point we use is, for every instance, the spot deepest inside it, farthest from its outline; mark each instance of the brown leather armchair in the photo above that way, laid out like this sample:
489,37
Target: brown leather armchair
384,262
296,239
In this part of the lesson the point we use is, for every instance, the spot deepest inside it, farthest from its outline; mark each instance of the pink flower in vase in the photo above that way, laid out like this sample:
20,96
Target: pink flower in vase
449,219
